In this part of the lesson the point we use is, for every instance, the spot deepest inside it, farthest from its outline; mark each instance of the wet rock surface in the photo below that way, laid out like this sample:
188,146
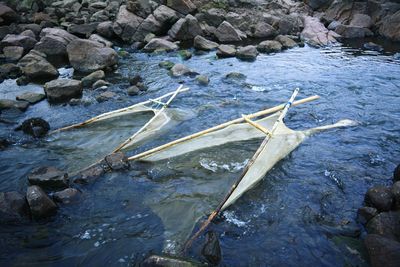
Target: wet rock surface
211,249
380,197
157,44
383,251
35,66
41,206
13,208
31,98
36,127
48,177
67,196
164,261
117,161
62,90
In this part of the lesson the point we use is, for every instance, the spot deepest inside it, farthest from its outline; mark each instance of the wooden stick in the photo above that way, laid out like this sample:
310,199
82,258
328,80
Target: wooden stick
127,141
245,170
219,127
122,110
256,125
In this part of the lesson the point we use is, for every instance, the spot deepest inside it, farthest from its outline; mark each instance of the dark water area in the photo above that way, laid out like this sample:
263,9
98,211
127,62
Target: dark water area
302,213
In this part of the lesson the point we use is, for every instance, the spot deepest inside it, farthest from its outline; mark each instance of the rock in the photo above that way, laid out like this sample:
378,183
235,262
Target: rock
185,54
333,25
157,44
7,15
247,53
40,17
126,24
396,194
41,206
67,196
202,43
214,16
48,177
13,53
365,214
105,96
182,6
361,20
31,98
316,4
54,43
373,46
133,90
93,77
4,143
202,80
62,90
37,127
12,104
185,29
35,66
142,87
9,71
263,30
101,40
140,8
286,41
269,47
28,33
235,76
89,175
23,80
167,261
290,24
117,161
396,174
134,80
211,249
379,197
316,34
89,56
227,33
149,37
166,17
386,224
149,25
26,42
390,27
347,31
166,64
225,51
13,207
179,70
105,29
382,251
100,83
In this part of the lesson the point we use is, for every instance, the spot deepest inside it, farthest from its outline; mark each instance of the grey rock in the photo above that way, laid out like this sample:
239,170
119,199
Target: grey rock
67,196
100,83
158,44
382,251
386,224
12,104
28,33
13,53
101,40
264,30
227,33
30,97
89,175
166,17
7,15
62,90
167,261
133,90
179,70
202,43
9,71
365,214
214,16
185,54
149,25
126,24
25,42
89,56
105,29
84,30
247,53
211,249
105,96
54,42
117,161
93,77
48,177
286,41
202,80
390,27
41,206
140,8
35,66
37,127
149,37
361,20
225,51
316,34
290,24
182,6
185,29
13,208
346,31
379,197
269,47
373,46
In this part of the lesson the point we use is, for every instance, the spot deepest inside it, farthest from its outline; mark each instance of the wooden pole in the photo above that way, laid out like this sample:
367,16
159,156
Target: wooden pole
127,141
219,127
245,170
256,125
122,110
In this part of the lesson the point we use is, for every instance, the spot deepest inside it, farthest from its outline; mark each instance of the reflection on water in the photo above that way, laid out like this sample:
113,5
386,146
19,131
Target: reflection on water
302,213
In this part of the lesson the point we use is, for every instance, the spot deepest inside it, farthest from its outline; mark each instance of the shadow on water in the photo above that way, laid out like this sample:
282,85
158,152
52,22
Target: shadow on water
302,213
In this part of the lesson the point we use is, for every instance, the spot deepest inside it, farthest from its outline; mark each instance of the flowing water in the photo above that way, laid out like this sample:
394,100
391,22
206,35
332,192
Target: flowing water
303,212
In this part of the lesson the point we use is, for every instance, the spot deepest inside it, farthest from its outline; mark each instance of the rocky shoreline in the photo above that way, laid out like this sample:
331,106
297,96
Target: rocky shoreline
38,37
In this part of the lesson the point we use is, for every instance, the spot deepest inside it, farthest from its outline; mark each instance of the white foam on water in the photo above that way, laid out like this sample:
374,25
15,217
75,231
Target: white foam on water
232,218
214,166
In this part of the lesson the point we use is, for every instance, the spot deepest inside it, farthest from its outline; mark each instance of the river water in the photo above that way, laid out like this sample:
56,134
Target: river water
302,213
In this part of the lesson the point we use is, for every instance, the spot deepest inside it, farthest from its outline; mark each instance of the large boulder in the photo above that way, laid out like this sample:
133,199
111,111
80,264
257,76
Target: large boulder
227,33
63,90
35,66
390,27
158,44
382,251
316,34
269,46
202,43
365,214
225,51
105,29
126,24
13,208
348,31
83,30
263,30
89,56
379,197
142,8
149,25
361,20
286,41
185,29
7,15
248,52
289,24
182,6
40,204
386,224
48,177
166,17
27,42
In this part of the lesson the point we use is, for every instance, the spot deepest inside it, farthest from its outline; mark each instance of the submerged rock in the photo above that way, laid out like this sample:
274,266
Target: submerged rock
269,46
31,98
211,249
379,197
225,51
93,77
133,90
89,175
180,70
67,196
158,44
117,161
185,54
167,261
63,90
41,206
105,96
382,251
202,79
373,46
37,127
166,64
12,104
48,177
13,208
